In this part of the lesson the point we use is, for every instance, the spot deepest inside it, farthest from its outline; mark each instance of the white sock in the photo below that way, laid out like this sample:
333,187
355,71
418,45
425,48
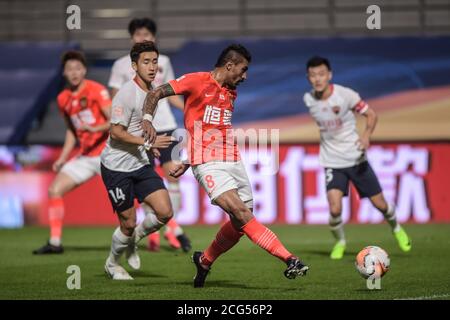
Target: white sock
118,245
149,225
175,196
175,200
391,218
177,231
55,241
337,228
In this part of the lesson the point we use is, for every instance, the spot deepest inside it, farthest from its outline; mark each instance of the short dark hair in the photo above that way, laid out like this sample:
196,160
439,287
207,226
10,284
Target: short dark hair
138,23
73,55
138,48
234,53
317,61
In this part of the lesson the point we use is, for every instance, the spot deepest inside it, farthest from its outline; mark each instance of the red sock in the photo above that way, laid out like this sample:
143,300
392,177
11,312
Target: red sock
55,217
172,224
225,239
153,241
266,239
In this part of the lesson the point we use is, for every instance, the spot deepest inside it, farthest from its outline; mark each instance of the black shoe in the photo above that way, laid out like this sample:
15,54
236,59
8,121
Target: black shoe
49,249
184,242
200,277
295,268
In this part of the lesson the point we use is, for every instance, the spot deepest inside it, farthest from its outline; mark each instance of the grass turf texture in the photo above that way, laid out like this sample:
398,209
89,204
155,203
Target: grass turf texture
245,272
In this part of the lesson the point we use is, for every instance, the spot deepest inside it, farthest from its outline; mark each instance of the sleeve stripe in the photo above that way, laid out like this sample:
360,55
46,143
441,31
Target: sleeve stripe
361,107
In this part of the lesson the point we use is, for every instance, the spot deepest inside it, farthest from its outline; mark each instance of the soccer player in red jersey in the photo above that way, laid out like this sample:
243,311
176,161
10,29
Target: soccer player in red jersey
214,157
85,106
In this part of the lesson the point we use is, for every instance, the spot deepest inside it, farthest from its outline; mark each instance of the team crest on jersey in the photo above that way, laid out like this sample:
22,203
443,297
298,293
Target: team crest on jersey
336,109
83,103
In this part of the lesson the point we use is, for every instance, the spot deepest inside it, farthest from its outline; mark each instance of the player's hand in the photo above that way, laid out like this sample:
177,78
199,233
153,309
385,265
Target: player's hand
149,132
178,170
57,165
363,143
156,153
162,141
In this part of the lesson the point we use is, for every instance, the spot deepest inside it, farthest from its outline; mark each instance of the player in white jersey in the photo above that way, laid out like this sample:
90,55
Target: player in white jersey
145,30
343,151
126,169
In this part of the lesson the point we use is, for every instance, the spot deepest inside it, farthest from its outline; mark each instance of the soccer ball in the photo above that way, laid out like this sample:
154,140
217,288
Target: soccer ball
372,262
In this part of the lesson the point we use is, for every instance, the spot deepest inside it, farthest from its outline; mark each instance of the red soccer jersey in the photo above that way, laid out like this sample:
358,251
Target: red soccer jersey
85,107
208,109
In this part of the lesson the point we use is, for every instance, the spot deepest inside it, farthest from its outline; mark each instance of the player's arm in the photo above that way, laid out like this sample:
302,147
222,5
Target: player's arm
149,108
113,92
371,122
179,170
120,133
69,143
177,102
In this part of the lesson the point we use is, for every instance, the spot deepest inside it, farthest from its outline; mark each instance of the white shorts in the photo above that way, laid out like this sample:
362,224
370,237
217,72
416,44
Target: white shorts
217,177
82,168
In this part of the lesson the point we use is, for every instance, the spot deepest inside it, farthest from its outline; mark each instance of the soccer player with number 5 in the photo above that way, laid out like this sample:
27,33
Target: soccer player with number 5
214,157
343,151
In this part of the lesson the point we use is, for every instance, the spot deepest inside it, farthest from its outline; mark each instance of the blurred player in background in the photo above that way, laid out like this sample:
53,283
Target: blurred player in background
216,165
343,151
126,169
85,106
145,30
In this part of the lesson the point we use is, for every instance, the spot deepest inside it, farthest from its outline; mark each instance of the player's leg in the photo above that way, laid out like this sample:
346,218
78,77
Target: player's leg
58,188
334,197
388,211
120,188
337,187
174,233
367,184
72,174
153,237
218,181
122,239
244,220
149,189
159,202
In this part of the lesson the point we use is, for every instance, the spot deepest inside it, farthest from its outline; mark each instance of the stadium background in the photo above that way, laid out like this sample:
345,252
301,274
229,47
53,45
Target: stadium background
402,70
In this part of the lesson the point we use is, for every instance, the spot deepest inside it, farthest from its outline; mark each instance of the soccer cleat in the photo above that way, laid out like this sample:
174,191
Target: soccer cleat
295,268
184,242
404,242
132,257
153,242
173,241
202,273
116,272
338,251
49,249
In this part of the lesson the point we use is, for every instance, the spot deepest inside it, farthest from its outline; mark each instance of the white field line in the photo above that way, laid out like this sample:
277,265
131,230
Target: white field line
436,296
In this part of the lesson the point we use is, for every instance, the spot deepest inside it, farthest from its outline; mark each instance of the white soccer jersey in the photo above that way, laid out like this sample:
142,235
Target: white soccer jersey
122,72
337,124
127,111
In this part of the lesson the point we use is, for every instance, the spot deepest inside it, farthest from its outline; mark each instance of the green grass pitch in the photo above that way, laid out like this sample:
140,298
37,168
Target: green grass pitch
245,272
